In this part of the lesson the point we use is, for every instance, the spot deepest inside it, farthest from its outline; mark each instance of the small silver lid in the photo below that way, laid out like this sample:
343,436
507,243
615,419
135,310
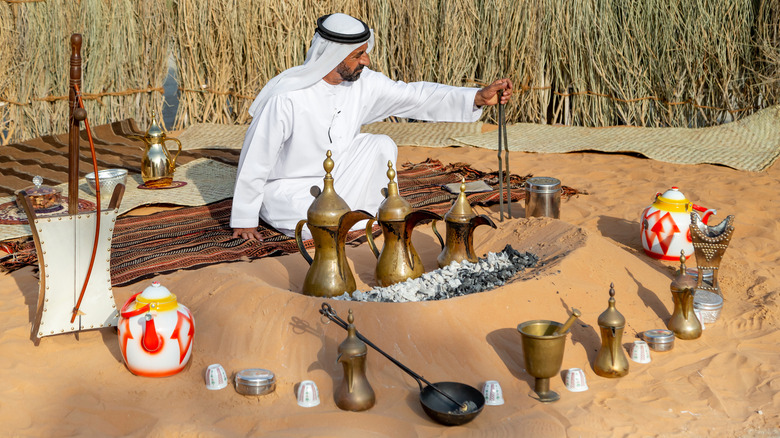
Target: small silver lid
659,336
706,300
543,184
255,377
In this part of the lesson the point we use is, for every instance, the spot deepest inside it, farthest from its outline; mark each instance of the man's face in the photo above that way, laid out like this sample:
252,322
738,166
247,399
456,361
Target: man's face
351,67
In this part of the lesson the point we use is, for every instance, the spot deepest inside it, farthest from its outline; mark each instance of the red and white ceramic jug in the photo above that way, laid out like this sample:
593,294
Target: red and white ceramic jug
155,333
666,225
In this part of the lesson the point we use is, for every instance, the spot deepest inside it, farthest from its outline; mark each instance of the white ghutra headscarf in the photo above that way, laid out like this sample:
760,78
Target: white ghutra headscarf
337,36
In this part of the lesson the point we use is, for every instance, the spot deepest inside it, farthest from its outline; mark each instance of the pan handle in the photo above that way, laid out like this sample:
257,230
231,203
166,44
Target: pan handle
328,311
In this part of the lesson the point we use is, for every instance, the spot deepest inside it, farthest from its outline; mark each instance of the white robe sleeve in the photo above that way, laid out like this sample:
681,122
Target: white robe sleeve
264,139
421,100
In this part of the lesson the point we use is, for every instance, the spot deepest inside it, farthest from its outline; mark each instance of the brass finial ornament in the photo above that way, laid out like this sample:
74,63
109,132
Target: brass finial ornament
329,219
398,261
683,323
355,393
611,360
460,221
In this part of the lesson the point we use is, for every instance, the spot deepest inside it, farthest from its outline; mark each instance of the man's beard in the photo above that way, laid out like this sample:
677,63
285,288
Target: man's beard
349,76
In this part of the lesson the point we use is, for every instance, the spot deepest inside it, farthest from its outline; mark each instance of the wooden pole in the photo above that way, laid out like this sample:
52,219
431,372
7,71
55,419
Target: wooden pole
74,124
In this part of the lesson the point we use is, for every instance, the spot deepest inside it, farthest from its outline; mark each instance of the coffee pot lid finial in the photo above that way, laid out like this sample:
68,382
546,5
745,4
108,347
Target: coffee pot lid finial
394,207
612,318
461,209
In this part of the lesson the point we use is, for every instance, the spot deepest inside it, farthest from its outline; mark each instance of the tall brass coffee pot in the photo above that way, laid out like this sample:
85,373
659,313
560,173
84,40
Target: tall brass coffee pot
611,360
683,322
398,261
329,219
461,222
355,393
157,164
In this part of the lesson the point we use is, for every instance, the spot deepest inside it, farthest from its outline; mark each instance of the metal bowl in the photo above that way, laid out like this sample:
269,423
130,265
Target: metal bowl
255,381
109,178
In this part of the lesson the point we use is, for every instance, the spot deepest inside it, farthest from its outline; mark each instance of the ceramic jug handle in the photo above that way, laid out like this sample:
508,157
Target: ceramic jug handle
436,232
173,161
370,237
299,241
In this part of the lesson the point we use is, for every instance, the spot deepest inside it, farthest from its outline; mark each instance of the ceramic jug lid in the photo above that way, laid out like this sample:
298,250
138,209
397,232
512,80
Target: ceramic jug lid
158,297
672,200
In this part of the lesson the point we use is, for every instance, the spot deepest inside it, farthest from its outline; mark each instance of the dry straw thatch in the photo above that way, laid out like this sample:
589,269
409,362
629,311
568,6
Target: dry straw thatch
685,63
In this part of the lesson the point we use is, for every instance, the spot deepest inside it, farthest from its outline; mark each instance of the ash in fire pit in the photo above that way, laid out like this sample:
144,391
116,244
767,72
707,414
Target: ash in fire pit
453,280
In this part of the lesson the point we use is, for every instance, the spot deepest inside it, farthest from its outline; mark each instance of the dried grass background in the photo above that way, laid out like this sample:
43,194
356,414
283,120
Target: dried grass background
684,63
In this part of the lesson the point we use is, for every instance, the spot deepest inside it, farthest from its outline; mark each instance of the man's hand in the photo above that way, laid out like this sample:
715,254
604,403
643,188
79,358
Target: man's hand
489,94
247,233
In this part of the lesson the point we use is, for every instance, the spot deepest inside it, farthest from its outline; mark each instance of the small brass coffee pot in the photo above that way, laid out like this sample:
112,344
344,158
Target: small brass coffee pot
398,261
611,360
461,222
355,393
157,165
683,323
329,219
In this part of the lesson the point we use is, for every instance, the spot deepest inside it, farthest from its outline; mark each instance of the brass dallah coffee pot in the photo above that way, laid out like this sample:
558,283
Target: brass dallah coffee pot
461,222
355,393
683,323
157,165
398,261
611,360
329,219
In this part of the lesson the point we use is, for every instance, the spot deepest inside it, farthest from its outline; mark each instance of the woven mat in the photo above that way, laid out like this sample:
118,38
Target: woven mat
206,181
216,136
144,246
751,144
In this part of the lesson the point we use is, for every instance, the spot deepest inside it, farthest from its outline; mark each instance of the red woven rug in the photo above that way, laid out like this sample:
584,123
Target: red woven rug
145,246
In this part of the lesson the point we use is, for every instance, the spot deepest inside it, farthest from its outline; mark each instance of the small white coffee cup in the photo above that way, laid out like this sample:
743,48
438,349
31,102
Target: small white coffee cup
216,378
308,395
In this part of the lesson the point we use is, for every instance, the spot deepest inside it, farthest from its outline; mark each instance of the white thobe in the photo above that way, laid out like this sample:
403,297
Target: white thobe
286,144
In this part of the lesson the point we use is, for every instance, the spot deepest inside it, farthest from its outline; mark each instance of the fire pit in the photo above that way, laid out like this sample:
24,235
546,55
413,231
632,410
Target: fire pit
453,280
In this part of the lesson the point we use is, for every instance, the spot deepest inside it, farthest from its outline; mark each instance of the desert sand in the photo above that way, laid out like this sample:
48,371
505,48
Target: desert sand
252,314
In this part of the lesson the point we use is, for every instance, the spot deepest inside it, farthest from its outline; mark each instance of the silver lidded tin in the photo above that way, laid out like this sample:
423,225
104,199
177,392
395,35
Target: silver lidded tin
706,275
542,197
659,339
255,381
709,305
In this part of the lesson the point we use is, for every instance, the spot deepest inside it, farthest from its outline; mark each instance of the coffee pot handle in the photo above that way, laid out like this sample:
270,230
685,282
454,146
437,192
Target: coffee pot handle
173,160
370,237
299,241
436,232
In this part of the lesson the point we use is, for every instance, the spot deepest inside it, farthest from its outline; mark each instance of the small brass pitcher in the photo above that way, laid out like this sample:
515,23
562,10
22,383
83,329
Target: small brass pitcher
157,164
329,219
611,360
398,261
354,393
683,323
461,222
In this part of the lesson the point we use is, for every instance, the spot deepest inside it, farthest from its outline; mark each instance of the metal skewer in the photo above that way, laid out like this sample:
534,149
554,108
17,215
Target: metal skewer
502,127
500,164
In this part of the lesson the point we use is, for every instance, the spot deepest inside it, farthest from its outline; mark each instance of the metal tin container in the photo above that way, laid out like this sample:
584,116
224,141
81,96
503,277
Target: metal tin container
255,381
706,274
709,305
543,197
659,339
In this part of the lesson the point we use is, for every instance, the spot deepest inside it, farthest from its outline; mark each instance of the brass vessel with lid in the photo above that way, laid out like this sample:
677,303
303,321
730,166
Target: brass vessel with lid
157,164
460,221
398,261
354,393
329,219
683,323
611,360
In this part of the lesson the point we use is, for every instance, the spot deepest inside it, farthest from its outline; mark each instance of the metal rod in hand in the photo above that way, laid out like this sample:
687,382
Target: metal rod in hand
500,166
502,128
328,311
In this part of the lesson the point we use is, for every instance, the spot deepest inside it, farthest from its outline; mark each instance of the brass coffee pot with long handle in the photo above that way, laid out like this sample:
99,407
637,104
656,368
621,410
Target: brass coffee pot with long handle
461,222
355,392
611,360
157,164
329,219
683,323
398,261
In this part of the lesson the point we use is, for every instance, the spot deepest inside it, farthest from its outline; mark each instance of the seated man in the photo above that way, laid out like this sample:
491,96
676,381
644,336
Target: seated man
321,105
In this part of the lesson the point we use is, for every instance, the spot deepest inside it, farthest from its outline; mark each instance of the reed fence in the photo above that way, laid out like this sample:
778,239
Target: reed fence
682,63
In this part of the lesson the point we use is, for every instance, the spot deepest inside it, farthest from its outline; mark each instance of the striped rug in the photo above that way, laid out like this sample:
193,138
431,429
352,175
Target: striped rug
145,246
